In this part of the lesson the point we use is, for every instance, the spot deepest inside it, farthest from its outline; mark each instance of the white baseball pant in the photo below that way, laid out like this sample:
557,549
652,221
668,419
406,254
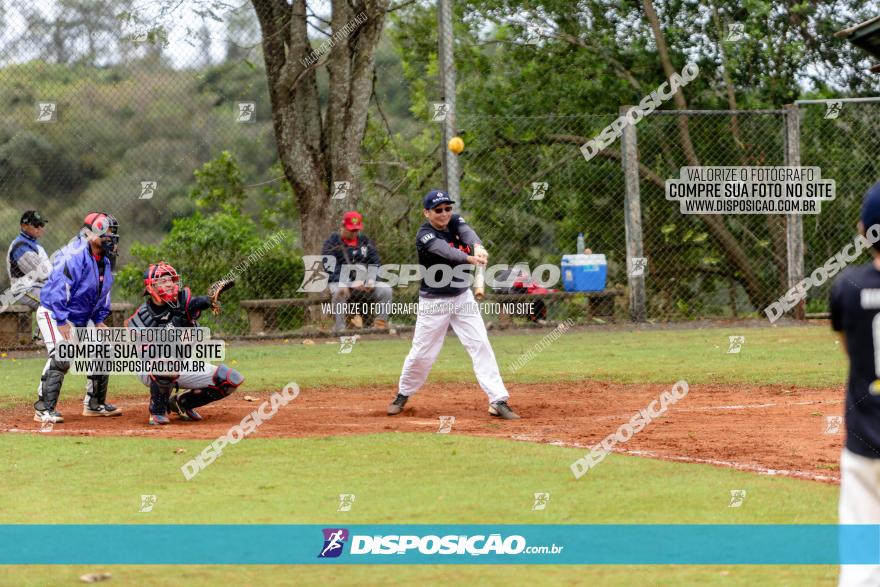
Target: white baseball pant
189,379
435,317
49,329
859,504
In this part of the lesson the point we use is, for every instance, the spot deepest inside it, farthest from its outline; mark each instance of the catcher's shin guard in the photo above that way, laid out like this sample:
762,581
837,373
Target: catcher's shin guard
96,391
226,380
50,384
160,391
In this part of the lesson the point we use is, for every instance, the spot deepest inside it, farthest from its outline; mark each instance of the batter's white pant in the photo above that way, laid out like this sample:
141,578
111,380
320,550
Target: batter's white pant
859,504
49,329
435,317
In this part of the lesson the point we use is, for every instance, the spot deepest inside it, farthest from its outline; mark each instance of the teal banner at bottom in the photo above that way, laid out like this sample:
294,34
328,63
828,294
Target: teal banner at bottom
601,544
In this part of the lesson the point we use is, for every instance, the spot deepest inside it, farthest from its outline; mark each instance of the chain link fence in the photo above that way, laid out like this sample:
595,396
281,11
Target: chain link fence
184,155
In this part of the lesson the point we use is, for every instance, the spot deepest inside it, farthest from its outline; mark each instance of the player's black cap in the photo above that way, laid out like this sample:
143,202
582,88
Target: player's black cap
870,214
435,198
33,218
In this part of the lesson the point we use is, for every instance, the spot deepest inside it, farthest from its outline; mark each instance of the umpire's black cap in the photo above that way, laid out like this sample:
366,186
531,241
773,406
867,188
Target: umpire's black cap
33,218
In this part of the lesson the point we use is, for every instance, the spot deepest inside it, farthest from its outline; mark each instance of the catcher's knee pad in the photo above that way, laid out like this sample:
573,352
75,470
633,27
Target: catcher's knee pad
227,378
160,391
225,381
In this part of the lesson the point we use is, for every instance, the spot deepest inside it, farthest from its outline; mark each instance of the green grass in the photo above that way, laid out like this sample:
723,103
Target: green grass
397,478
770,355
425,478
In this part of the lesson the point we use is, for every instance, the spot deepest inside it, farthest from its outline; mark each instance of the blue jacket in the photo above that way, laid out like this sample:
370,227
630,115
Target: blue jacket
71,292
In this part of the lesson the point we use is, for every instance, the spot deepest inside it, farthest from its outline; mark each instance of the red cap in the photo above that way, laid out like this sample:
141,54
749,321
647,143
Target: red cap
352,221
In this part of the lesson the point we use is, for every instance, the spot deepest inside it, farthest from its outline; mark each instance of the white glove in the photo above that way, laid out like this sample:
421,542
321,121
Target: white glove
481,252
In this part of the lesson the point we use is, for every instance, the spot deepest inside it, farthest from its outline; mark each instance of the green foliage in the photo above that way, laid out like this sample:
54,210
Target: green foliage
211,244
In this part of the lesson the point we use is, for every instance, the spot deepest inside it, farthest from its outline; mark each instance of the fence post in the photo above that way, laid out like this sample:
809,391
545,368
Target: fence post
446,58
794,225
632,213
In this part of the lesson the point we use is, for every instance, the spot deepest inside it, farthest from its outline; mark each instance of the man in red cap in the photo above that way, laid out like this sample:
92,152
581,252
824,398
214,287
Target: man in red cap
353,275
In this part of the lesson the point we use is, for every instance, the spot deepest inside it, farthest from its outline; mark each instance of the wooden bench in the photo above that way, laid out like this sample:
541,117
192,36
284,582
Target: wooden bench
256,309
15,323
600,304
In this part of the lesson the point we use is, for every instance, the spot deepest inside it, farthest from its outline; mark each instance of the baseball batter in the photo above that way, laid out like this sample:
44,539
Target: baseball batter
855,315
170,306
444,243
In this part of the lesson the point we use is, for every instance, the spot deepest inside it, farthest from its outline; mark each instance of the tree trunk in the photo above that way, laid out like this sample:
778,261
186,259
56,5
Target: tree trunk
734,251
317,149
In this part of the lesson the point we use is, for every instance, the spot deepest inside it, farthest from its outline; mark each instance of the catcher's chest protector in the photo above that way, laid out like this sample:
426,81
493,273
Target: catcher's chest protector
149,315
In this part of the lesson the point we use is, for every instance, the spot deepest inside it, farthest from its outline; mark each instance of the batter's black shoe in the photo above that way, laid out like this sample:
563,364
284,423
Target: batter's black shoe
502,410
397,405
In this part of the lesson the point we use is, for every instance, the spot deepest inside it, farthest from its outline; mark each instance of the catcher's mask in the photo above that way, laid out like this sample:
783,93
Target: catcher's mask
161,282
107,227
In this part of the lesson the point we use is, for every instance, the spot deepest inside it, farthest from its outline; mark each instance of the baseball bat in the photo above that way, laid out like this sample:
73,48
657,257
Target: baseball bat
479,279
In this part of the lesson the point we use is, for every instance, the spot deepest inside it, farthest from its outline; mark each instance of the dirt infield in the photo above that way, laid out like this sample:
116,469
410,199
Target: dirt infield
773,430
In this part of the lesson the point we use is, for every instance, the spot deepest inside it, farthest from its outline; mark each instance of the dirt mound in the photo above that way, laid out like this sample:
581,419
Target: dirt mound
767,429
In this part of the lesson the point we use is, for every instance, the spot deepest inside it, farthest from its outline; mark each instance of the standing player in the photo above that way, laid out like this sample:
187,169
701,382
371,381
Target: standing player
77,293
446,240
26,261
855,315
170,306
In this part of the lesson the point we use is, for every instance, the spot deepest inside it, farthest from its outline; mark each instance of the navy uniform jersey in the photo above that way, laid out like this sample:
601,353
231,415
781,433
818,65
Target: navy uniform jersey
449,247
855,305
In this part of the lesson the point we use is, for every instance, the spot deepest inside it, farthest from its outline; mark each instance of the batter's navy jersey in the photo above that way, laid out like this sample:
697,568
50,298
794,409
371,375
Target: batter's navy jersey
855,311
445,247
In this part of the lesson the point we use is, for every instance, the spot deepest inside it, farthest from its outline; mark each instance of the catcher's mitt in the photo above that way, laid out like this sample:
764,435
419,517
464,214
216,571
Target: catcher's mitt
217,288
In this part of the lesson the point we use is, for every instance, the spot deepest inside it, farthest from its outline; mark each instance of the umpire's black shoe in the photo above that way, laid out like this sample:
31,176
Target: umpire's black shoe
502,410
397,405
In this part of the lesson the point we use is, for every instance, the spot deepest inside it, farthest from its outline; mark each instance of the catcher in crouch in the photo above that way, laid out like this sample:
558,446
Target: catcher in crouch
170,306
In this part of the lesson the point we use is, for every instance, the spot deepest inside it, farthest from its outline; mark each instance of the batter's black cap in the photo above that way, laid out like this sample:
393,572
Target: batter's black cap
435,198
33,218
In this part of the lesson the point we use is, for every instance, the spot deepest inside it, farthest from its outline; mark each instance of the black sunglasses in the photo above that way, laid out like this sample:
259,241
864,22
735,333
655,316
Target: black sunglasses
439,210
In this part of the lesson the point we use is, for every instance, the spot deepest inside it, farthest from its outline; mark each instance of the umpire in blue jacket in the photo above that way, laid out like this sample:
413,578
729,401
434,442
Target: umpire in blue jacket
77,293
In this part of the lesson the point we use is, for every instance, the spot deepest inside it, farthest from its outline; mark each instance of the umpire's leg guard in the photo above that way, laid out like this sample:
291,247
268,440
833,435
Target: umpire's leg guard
50,384
226,380
160,391
96,391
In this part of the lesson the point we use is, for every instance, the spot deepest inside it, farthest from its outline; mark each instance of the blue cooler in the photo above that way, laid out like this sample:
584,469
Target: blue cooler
584,272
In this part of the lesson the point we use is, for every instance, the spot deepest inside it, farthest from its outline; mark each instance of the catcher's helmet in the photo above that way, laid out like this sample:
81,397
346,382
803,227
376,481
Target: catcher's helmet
161,282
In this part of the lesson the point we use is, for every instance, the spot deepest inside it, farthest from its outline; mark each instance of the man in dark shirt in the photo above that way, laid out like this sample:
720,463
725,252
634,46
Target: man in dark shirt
27,264
855,304
352,279
447,247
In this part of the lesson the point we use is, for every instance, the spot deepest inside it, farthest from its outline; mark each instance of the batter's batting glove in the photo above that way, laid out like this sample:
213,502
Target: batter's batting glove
480,251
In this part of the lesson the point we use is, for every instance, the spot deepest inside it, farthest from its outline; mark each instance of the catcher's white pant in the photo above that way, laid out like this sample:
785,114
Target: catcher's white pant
189,379
859,504
435,317
49,329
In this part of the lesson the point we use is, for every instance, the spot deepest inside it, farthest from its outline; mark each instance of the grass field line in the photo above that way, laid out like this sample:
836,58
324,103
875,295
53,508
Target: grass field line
732,407
748,467
739,466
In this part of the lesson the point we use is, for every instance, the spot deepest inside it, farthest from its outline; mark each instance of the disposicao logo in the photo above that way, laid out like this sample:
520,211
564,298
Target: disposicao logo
334,540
